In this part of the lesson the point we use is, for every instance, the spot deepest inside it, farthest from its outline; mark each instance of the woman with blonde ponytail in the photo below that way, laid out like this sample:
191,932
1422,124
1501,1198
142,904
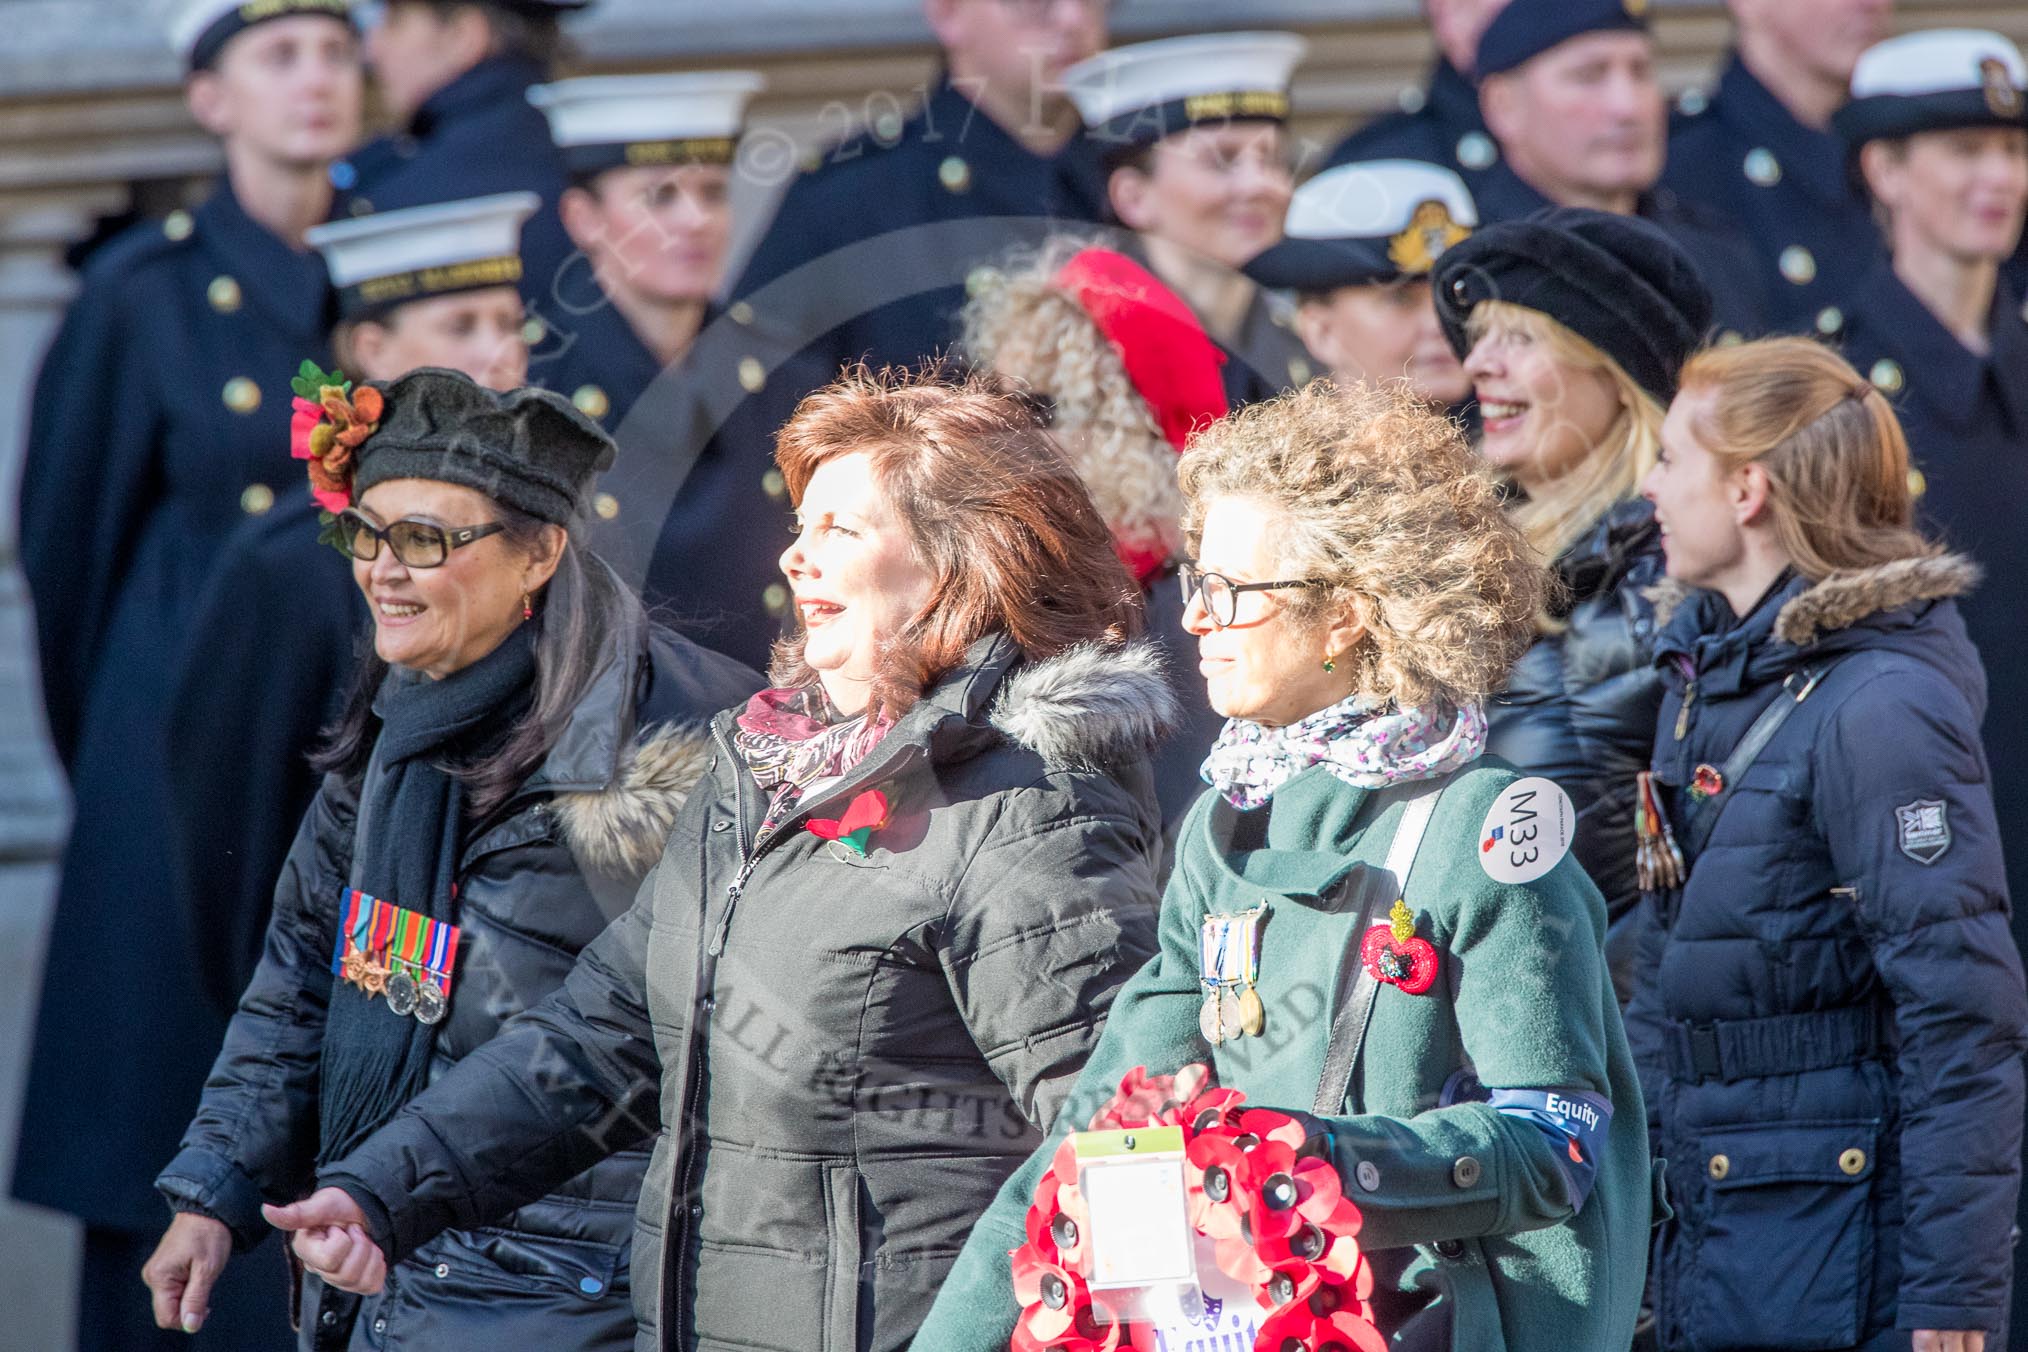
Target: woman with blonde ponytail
1572,326
1829,1012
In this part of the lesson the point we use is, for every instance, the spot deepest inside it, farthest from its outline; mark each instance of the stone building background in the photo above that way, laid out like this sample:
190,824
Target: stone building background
93,131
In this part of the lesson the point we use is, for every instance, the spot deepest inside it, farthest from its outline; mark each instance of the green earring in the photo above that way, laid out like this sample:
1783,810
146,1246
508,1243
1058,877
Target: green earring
1330,665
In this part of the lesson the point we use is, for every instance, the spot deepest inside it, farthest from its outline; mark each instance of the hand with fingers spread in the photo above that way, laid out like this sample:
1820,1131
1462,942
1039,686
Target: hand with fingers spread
183,1268
329,1235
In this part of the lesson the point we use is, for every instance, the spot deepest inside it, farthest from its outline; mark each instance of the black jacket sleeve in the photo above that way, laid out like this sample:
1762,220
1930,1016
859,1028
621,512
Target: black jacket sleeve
564,1084
255,1133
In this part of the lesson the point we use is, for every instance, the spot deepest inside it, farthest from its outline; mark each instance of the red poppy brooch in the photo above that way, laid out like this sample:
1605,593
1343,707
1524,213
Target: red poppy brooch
863,816
1278,1220
330,422
1393,953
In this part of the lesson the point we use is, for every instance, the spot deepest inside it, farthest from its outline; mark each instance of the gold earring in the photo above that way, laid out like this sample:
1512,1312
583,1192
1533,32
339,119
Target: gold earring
527,607
1330,664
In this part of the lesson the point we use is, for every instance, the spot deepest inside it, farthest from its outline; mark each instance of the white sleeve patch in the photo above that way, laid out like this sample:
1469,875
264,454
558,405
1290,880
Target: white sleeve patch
1527,831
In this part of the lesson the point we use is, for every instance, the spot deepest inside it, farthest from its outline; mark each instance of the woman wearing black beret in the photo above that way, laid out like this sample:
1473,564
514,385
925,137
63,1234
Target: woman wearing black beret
1572,325
503,774
884,933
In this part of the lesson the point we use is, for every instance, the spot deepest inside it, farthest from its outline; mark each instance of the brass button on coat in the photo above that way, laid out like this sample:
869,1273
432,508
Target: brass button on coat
257,499
241,395
1719,1167
224,294
1798,264
1465,1172
606,505
178,225
752,375
591,401
775,598
1886,376
1853,1162
773,484
955,174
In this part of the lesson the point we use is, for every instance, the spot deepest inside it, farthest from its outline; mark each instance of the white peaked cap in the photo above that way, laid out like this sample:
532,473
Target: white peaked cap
1144,76
1375,198
390,257
192,21
1937,61
608,110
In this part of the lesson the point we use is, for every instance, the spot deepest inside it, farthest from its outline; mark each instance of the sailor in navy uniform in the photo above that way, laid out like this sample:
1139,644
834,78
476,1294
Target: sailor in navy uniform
160,421
877,235
1938,127
1357,252
430,286
1438,122
474,134
1569,90
1197,167
693,512
1768,162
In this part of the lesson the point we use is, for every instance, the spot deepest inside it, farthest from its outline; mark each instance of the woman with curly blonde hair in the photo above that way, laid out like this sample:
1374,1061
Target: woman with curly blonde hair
1572,325
1121,370
1370,923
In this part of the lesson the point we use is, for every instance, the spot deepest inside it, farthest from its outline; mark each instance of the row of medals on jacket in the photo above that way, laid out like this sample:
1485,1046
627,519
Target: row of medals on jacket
1229,965
405,995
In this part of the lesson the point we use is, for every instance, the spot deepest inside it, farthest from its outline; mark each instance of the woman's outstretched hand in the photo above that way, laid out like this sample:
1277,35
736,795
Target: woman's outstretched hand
183,1267
328,1232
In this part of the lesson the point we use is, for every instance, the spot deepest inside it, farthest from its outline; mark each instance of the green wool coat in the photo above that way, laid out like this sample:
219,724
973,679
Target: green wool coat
1522,997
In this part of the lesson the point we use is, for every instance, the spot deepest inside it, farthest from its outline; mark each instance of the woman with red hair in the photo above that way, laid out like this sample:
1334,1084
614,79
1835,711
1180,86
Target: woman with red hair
883,935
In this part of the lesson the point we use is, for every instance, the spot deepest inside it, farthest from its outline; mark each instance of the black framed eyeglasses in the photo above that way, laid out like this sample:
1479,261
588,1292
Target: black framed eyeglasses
417,544
1221,594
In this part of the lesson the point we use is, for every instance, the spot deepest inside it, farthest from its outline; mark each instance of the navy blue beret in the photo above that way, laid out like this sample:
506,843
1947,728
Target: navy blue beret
1527,28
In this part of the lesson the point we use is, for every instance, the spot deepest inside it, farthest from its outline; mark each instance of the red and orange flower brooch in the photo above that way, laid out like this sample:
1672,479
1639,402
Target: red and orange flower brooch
1279,1221
331,420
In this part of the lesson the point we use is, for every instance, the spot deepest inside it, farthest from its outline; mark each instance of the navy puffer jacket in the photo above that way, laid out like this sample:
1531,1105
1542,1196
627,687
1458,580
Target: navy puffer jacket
1830,1016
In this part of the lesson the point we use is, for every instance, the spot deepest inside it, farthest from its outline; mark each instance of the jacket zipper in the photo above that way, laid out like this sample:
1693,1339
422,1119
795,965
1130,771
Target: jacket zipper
1683,710
754,852
677,1237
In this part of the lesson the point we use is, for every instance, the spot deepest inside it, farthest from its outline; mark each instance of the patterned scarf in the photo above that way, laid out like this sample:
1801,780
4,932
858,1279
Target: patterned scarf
1366,745
793,738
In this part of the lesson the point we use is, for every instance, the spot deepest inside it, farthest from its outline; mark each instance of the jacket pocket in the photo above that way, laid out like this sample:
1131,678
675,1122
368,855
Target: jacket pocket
841,1269
1784,1250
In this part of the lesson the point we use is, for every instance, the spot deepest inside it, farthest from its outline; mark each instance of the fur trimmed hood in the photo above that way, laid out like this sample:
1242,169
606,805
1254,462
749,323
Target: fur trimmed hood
1090,705
1843,599
621,829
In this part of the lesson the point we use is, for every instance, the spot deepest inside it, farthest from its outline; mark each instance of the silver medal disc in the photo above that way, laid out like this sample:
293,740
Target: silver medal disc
1207,1020
1231,1019
401,994
430,1003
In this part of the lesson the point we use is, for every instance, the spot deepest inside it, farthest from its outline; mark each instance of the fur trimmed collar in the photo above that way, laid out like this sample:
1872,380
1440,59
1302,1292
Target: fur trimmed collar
622,828
1089,705
1843,599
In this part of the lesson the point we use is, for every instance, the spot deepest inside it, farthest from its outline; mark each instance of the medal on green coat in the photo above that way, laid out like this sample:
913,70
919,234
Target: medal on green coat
1228,965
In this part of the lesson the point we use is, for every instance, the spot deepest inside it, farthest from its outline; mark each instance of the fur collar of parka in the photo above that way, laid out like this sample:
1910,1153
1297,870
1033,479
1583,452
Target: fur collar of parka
1842,600
621,828
1090,706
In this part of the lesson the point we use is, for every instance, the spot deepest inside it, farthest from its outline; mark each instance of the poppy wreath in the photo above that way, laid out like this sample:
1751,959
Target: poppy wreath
330,422
1278,1218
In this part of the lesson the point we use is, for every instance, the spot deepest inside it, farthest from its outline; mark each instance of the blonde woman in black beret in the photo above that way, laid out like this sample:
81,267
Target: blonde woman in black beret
503,773
1572,325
